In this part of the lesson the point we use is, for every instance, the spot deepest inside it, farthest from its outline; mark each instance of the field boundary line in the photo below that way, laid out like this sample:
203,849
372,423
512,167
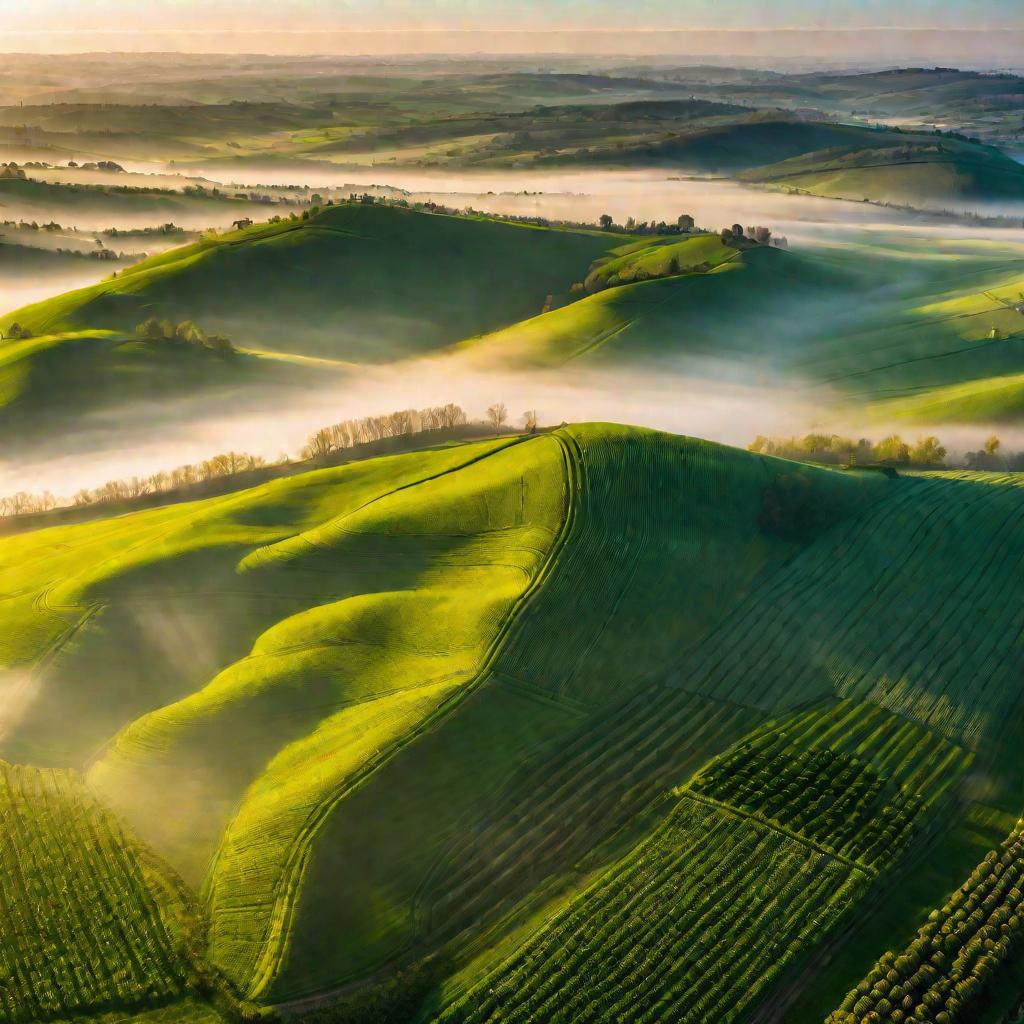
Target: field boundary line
282,914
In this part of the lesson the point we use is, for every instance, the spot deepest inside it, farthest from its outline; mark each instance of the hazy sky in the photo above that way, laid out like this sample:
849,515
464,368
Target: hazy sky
359,25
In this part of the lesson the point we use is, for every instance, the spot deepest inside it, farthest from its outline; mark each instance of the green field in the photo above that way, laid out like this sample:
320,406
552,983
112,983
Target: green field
431,644
358,283
85,926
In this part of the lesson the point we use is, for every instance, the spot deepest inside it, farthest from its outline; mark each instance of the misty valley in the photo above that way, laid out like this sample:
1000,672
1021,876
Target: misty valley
510,538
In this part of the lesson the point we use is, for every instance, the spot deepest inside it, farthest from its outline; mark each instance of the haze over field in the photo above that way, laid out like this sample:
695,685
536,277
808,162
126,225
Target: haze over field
500,524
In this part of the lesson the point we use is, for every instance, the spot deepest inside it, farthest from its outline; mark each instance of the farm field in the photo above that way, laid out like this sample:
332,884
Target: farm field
546,770
496,709
83,929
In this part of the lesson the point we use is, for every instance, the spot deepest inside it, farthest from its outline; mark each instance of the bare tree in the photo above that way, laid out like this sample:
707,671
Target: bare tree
497,415
530,421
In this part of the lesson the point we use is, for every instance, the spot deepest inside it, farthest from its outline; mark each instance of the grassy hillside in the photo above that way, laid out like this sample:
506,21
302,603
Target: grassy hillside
746,306
738,144
941,340
96,378
675,727
97,207
353,282
895,168
293,662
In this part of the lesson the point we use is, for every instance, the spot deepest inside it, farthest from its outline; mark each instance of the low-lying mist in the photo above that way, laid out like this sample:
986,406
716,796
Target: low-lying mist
139,443
583,195
704,402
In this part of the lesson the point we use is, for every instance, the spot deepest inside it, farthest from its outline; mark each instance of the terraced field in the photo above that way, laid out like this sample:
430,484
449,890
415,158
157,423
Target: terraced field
81,929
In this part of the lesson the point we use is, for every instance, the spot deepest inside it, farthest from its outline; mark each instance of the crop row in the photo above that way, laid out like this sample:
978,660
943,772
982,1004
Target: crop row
690,927
628,568
910,606
593,784
826,795
79,927
941,973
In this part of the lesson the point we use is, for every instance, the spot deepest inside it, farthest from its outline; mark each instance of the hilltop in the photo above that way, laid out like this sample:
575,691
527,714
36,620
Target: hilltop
575,666
354,282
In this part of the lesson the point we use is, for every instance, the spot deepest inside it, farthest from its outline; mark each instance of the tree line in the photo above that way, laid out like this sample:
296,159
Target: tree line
226,464
833,449
347,434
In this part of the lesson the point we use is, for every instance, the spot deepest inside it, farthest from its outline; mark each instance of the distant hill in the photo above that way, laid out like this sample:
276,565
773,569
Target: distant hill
355,282
913,169
65,385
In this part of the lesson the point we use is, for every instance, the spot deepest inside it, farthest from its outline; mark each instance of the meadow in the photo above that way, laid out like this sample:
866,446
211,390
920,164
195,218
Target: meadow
529,751
587,724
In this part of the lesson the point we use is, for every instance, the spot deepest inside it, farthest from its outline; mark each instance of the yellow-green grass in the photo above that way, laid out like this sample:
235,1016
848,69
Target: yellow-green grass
112,618
693,316
474,857
82,929
921,172
356,282
416,588
663,258
511,652
307,653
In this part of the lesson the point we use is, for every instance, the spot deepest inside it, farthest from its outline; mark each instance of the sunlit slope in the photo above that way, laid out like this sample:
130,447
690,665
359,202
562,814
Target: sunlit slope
745,306
912,169
303,673
418,589
739,145
355,282
625,569
83,927
110,619
941,341
941,338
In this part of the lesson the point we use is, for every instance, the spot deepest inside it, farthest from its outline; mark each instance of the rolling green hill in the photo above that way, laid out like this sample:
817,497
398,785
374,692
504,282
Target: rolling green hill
76,380
670,722
102,207
355,282
914,169
300,596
